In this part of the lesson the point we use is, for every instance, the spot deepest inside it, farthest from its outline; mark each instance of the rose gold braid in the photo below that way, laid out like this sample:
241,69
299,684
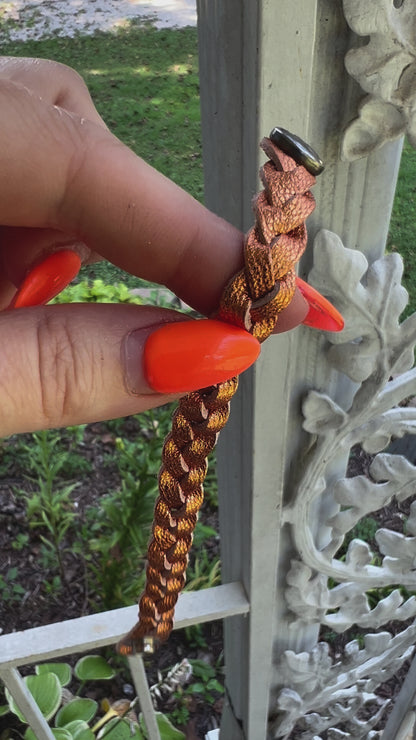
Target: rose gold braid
253,300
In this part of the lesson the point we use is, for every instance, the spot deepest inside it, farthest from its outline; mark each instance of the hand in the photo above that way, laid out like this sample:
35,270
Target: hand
66,181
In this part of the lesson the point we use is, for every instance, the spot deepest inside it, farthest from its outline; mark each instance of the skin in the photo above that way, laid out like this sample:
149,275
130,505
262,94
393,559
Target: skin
66,180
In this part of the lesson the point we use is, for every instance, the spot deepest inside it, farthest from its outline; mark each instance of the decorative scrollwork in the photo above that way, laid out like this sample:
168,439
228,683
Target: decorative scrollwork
332,587
386,69
324,693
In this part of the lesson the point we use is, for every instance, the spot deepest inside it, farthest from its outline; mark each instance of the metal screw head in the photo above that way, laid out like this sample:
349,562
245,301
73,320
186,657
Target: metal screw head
148,645
296,148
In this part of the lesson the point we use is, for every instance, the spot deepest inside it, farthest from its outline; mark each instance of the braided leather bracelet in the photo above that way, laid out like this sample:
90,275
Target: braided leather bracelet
252,300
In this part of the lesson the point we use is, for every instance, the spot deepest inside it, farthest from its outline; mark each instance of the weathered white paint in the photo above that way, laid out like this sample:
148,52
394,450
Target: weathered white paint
97,630
26,703
404,704
266,64
141,685
385,67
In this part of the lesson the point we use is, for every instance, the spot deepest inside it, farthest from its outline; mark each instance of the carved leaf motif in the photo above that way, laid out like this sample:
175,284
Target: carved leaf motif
361,496
308,594
376,442
357,611
371,350
396,422
358,554
394,476
337,272
321,413
386,69
309,597
411,522
371,300
346,685
377,123
401,550
398,472
290,704
309,669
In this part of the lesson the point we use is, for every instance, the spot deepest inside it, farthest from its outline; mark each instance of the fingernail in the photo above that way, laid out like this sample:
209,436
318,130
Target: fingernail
322,314
47,279
183,356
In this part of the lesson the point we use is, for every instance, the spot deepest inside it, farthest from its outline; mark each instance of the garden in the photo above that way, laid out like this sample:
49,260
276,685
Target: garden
76,504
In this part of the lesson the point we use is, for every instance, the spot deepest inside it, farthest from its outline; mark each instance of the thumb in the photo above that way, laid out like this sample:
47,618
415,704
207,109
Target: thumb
72,364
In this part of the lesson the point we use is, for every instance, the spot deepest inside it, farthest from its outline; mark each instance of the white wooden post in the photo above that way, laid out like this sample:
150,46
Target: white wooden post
278,62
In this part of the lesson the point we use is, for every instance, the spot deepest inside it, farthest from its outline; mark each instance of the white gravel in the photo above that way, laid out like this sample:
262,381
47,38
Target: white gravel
41,18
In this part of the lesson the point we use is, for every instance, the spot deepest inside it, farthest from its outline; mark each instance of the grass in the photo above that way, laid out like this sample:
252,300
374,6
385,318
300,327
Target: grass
145,85
402,236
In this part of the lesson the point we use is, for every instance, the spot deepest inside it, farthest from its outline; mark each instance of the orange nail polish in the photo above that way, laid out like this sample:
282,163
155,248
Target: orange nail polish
186,355
47,279
322,314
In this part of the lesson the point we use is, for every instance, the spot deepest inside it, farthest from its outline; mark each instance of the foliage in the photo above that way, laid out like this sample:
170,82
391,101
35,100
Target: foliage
72,715
49,506
116,536
205,688
10,591
203,572
402,235
96,291
145,85
364,530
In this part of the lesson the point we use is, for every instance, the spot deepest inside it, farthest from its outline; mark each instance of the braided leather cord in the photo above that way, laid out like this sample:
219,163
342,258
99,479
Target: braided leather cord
252,300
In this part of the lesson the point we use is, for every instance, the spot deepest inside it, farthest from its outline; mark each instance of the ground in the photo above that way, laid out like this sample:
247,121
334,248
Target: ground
38,18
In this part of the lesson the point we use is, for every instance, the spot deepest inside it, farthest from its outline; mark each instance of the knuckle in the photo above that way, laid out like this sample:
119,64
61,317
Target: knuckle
65,381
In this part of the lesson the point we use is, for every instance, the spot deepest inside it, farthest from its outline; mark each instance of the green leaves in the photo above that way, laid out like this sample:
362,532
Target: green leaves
93,668
166,729
121,729
46,691
72,718
58,733
76,710
61,670
97,292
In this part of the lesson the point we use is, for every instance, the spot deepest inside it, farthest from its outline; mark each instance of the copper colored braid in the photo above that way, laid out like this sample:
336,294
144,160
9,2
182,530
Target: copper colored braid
252,300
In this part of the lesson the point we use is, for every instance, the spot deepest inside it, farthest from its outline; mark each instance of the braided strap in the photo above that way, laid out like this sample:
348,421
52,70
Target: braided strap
255,296
252,300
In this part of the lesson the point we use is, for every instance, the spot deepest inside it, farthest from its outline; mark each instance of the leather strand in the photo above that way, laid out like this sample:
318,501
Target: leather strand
252,300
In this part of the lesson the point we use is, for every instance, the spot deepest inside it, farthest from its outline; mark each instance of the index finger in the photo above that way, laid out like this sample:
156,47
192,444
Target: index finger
64,172
143,222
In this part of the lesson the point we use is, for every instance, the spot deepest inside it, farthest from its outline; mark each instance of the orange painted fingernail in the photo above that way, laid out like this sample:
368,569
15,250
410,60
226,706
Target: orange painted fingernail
47,279
322,314
186,355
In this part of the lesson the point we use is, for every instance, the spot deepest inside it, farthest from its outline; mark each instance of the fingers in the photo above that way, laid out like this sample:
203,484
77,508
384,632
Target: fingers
72,364
61,365
141,221
22,248
293,315
55,83
76,178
